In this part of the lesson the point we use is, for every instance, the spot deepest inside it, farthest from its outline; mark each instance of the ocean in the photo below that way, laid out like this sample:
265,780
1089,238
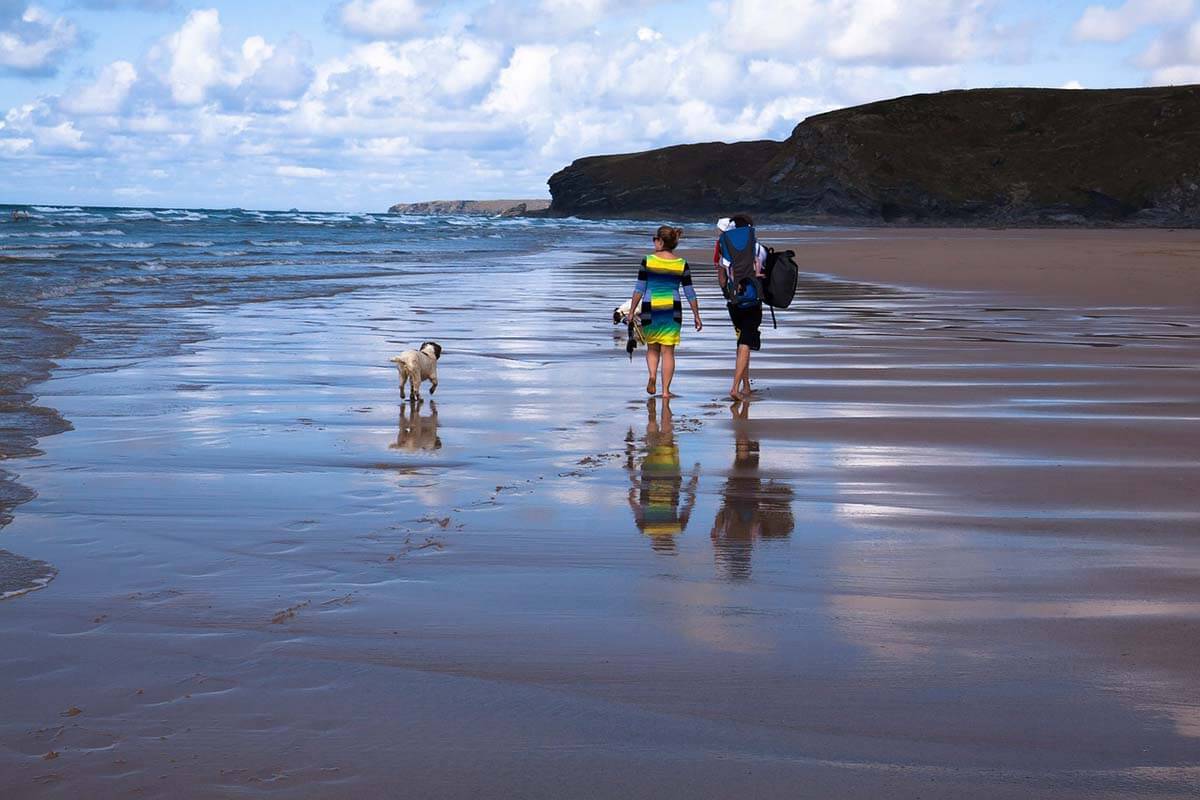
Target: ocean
110,285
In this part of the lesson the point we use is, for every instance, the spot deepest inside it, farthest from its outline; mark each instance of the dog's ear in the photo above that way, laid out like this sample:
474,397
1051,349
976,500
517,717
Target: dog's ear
437,350
616,316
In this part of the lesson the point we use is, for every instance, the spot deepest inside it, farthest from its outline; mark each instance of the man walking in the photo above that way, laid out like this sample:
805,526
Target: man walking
739,260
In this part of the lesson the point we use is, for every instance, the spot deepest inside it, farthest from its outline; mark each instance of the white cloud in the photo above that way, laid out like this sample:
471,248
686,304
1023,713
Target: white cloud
648,35
31,40
197,66
58,138
105,95
774,25
1174,57
1072,85
15,146
193,56
909,33
1104,24
524,85
380,19
293,171
892,32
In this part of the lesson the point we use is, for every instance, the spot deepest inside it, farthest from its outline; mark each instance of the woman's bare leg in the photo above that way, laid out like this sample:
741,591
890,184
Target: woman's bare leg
668,368
653,351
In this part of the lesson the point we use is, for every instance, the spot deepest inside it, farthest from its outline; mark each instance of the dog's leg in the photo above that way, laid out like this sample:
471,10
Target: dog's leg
400,370
433,380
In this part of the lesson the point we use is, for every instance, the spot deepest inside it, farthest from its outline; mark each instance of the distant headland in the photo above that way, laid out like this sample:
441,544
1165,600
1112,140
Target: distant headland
491,208
980,156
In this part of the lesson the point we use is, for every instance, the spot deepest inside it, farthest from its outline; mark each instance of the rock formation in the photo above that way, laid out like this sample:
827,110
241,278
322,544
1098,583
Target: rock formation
491,208
1042,156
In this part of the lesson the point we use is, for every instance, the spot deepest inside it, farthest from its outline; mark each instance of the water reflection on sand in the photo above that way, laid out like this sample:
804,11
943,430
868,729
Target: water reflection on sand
751,509
661,503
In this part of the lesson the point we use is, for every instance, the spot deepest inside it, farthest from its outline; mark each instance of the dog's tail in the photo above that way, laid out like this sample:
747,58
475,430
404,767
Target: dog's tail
394,359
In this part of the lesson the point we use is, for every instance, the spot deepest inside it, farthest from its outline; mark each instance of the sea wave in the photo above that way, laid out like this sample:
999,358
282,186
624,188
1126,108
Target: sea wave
274,243
56,209
130,245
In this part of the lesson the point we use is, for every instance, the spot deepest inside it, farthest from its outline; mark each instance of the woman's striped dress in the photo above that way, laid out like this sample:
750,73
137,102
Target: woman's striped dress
659,281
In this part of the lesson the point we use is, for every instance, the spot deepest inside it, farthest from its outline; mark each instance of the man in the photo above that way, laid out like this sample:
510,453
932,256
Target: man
739,260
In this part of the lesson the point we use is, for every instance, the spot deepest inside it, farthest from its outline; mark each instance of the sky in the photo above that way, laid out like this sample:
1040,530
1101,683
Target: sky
358,104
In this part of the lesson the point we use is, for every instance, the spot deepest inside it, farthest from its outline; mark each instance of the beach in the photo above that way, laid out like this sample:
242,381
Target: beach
950,546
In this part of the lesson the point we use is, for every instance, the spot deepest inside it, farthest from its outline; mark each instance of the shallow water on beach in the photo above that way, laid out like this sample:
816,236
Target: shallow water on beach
947,548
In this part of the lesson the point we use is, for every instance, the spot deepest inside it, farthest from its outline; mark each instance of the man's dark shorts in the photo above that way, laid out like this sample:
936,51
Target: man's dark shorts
746,322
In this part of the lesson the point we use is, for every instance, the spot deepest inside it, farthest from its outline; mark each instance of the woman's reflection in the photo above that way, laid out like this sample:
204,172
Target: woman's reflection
657,489
415,432
751,508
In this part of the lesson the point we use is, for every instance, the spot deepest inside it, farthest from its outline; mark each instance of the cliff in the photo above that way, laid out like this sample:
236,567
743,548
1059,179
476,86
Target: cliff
1042,156
491,208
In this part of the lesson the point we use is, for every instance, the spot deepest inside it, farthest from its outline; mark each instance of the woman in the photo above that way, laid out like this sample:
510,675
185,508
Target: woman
657,292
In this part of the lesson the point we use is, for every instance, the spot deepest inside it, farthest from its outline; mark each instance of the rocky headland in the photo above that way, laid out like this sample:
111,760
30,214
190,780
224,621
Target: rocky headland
981,156
490,208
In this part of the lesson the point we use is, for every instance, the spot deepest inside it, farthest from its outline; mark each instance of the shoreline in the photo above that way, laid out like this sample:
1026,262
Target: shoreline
23,423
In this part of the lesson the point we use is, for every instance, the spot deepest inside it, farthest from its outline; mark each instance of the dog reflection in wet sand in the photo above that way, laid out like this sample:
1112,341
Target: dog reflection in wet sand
751,509
661,503
415,431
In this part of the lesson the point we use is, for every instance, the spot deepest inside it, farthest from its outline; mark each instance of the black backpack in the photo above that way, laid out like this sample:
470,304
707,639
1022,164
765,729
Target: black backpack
780,275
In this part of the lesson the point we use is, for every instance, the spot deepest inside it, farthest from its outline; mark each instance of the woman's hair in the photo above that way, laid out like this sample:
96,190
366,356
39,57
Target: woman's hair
669,236
743,221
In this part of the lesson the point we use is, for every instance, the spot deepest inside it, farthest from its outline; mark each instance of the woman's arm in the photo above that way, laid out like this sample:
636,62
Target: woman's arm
689,291
639,291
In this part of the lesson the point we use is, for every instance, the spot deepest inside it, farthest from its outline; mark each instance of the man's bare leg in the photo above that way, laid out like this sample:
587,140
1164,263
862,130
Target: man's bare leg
741,371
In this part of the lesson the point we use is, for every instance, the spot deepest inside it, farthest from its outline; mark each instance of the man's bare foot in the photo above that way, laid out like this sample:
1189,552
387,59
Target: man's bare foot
651,385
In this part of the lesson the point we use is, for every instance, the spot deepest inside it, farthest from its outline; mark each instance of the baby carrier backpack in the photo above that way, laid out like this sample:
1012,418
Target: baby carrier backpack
739,246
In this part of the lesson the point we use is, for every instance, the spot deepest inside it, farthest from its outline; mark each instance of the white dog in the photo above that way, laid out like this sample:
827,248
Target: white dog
621,317
416,366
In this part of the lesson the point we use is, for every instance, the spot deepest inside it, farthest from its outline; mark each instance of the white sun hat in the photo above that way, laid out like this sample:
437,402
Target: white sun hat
724,224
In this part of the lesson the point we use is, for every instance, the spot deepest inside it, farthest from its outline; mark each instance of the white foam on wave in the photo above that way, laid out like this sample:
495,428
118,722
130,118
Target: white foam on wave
199,243
106,232
181,214
136,215
271,243
56,209
36,583
30,254
130,245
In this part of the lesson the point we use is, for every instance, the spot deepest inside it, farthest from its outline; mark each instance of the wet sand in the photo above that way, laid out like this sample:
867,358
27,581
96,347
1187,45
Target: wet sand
949,548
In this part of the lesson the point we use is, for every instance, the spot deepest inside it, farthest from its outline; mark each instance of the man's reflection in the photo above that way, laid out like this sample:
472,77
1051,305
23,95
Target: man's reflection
750,507
657,489
416,432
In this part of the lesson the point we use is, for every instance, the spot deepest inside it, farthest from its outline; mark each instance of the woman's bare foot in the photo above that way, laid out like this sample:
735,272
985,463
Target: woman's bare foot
666,395
651,385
